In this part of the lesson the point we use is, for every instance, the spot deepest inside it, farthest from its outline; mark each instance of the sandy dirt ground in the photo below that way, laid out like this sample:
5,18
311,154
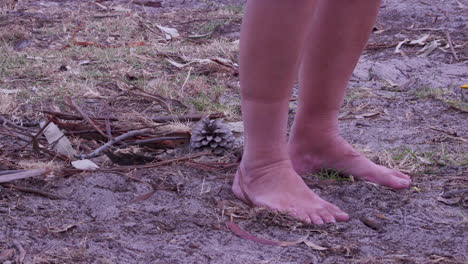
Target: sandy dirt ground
403,109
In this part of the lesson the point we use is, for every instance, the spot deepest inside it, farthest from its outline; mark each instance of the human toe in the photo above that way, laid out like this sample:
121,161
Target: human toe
316,219
301,216
337,213
399,182
327,217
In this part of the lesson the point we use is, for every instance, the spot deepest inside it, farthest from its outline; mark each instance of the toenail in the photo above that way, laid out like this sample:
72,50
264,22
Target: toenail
343,214
404,182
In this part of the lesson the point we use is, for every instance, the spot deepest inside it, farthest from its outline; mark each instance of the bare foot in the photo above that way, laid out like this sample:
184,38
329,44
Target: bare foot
278,187
336,153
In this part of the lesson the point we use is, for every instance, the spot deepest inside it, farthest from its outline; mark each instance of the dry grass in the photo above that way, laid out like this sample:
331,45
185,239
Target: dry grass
44,70
7,103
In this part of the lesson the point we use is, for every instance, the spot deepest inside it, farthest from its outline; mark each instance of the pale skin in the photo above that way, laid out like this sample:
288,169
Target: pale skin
320,41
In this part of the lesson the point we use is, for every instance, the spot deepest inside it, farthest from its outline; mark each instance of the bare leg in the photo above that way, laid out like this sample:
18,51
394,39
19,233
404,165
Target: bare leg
337,37
273,35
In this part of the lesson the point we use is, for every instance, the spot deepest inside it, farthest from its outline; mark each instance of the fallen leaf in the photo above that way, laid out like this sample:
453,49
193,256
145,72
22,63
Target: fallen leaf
449,201
454,193
8,91
428,49
399,50
61,144
371,223
314,246
381,216
200,36
424,160
84,62
148,3
62,229
246,235
23,175
366,115
178,65
121,9
170,33
421,41
143,197
84,165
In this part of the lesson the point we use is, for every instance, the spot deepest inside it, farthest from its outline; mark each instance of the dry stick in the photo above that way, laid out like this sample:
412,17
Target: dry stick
157,97
449,134
164,119
22,252
23,175
185,118
9,172
38,134
79,132
428,29
27,133
8,122
449,39
19,136
109,129
161,100
69,116
85,116
157,164
112,142
152,140
453,193
30,190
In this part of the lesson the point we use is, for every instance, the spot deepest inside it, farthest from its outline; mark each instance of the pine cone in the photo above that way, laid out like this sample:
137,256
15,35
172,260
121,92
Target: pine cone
213,135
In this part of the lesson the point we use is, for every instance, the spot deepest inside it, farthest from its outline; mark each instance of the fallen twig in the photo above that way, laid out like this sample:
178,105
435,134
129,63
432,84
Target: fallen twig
30,190
8,122
452,48
453,193
85,116
152,140
23,175
449,134
22,252
163,102
111,142
371,223
109,129
156,164
429,29
164,119
70,116
36,136
15,135
246,235
186,118
9,172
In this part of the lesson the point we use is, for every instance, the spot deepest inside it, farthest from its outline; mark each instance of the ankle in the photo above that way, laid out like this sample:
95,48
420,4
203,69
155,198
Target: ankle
314,127
253,163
